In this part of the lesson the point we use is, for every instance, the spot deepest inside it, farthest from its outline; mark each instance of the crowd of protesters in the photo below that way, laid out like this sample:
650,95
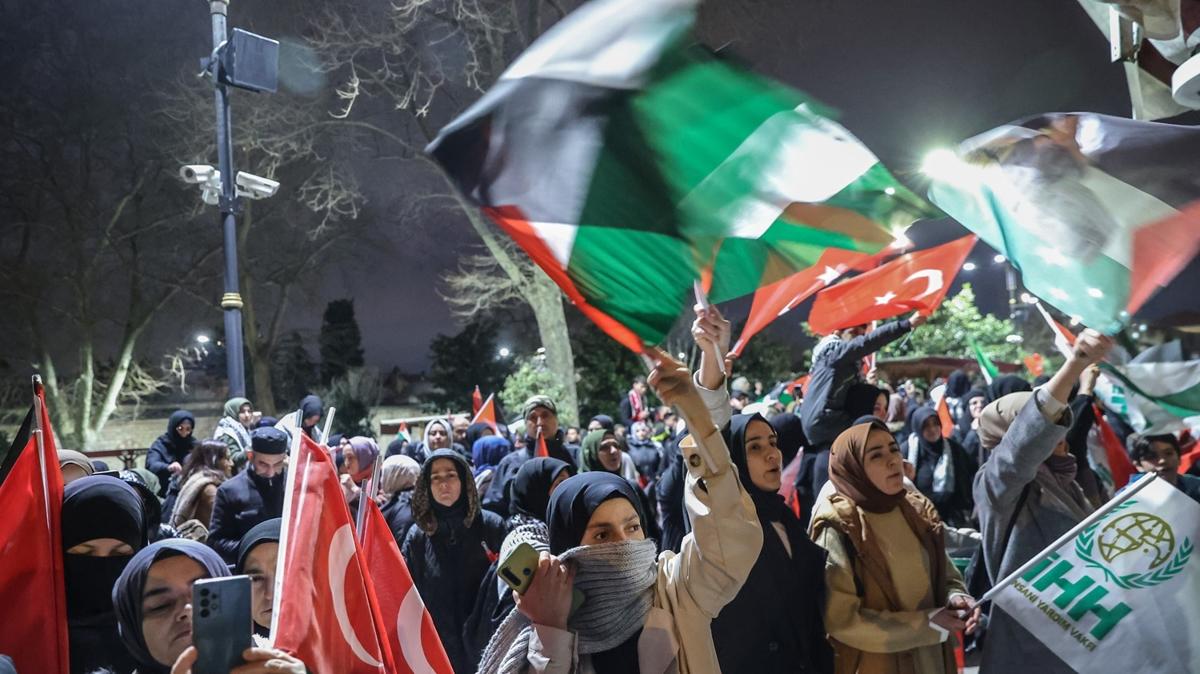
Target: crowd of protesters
670,520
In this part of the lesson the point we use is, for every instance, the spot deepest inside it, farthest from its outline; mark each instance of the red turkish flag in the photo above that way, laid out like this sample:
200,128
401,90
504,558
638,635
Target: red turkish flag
776,299
326,612
476,400
486,414
31,563
415,643
914,282
943,412
1035,364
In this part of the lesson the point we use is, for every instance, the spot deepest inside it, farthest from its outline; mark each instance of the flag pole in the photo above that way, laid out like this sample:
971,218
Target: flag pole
289,489
1075,531
328,427
369,490
40,433
702,300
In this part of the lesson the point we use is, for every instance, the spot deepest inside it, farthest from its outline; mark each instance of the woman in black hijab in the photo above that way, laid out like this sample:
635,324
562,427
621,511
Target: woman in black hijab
153,600
166,454
102,526
1006,384
256,557
945,472
449,546
530,490
776,622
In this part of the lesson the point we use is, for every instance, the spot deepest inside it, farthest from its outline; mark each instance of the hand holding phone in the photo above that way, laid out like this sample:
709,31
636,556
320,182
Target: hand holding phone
523,564
221,623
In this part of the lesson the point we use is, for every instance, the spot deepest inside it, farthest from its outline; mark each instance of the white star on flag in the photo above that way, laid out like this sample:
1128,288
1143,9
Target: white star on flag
886,298
828,276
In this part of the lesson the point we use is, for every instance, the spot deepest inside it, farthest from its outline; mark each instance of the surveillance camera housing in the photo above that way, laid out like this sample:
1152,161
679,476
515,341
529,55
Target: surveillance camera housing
197,173
255,187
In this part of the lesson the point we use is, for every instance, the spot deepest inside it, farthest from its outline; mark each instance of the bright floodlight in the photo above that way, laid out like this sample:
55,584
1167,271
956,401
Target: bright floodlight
203,339
503,352
941,164
969,266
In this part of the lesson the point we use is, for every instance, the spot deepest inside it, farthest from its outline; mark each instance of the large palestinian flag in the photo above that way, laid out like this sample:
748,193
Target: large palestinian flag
628,163
1097,212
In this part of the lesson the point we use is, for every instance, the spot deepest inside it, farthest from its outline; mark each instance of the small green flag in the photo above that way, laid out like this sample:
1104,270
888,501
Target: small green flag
986,366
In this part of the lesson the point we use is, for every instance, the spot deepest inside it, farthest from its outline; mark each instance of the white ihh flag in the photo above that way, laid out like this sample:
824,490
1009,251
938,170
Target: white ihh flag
1124,594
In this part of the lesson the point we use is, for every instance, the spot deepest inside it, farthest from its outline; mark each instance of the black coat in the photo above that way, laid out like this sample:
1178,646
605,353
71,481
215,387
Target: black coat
398,513
669,493
170,448
495,498
835,368
776,623
243,501
648,456
447,568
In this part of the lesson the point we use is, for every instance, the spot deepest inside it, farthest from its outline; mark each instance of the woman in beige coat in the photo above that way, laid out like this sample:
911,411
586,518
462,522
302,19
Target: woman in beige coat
640,613
894,597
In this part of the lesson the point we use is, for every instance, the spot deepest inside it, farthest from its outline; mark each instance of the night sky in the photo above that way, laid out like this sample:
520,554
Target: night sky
906,78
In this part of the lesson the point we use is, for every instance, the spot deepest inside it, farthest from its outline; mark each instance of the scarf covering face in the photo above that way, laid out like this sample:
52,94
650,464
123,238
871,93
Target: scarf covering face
127,593
574,501
617,581
427,511
310,405
487,452
530,488
98,507
589,453
264,532
770,505
849,475
998,416
366,451
233,407
933,461
180,445
398,474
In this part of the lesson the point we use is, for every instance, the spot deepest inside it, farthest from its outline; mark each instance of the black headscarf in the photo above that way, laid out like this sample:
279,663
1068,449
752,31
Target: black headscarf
529,491
1006,384
310,405
770,504
267,531
474,432
964,421
790,430
957,384
127,594
97,507
860,399
572,505
606,422
178,445
928,453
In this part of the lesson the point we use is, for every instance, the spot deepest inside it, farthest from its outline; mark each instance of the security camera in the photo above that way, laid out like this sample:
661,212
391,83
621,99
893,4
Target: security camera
255,187
197,173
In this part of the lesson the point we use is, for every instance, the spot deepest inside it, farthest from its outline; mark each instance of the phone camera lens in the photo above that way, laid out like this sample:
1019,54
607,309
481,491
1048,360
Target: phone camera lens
204,613
527,572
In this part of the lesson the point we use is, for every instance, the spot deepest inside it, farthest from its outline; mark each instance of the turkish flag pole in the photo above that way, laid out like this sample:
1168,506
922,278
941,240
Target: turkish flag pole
31,556
326,612
915,281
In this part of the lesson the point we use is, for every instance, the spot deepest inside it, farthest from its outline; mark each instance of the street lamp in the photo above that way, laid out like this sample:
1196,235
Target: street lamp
503,352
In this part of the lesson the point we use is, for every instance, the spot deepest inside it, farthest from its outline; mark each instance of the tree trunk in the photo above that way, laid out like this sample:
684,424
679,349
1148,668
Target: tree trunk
546,300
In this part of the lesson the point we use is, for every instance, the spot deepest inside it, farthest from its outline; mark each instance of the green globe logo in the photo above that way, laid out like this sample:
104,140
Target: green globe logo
1140,541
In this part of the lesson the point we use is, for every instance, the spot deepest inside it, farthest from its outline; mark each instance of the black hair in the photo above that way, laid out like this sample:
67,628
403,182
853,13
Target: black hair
1140,446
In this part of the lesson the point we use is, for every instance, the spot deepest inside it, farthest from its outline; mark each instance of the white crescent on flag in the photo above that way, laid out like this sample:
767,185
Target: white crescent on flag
341,552
408,629
933,279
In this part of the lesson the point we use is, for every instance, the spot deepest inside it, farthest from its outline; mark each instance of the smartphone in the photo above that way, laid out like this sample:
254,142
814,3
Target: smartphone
221,623
518,568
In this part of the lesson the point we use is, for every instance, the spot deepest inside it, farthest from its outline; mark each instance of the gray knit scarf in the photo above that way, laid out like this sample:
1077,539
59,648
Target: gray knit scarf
617,581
